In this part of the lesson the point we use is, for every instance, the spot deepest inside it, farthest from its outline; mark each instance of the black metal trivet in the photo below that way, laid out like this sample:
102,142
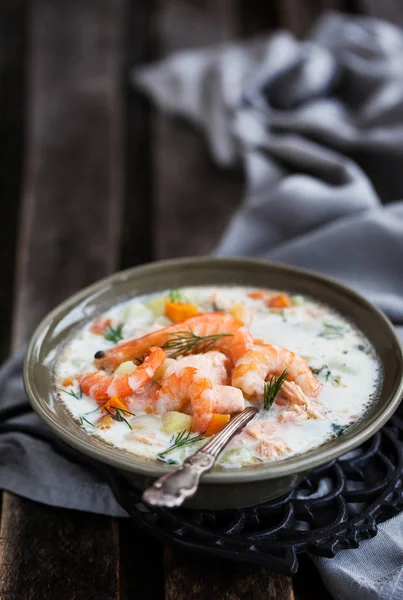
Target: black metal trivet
337,507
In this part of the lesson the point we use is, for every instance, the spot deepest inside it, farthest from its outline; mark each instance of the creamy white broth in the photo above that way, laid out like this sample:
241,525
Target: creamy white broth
339,354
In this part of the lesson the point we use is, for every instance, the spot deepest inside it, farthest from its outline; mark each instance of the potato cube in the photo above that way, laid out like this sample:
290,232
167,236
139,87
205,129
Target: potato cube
157,305
125,368
174,421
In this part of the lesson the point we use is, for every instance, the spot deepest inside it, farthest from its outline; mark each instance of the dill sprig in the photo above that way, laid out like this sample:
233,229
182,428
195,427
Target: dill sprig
176,296
119,415
187,342
75,395
179,440
338,430
114,334
84,421
92,411
272,388
331,332
319,370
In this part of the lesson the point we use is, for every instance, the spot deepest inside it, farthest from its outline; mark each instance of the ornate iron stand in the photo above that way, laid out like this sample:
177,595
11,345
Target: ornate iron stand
337,507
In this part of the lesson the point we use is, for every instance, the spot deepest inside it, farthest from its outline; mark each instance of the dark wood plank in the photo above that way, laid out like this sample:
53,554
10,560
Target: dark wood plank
53,553
203,578
259,17
299,17
136,242
12,87
295,16
141,564
307,583
391,10
193,197
73,181
68,237
193,201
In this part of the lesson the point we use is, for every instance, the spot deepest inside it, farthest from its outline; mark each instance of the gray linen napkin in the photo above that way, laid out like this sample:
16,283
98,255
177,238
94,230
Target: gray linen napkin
318,128
29,465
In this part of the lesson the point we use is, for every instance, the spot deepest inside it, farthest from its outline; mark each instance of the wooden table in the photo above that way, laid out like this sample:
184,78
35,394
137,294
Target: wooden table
93,180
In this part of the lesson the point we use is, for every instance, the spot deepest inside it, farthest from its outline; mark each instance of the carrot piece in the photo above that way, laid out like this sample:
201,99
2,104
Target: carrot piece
216,424
107,419
257,294
179,311
114,402
99,326
279,301
67,381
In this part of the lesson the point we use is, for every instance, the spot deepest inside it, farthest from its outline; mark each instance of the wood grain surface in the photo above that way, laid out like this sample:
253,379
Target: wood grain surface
12,105
72,199
53,553
193,198
69,237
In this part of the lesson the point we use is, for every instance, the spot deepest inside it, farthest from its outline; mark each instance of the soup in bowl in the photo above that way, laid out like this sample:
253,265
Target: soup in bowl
143,368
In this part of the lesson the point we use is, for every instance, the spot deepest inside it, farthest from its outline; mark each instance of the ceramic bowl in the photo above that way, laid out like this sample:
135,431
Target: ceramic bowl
219,489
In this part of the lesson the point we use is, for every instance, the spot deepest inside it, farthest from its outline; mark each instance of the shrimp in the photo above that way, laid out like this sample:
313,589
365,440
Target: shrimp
234,344
227,400
215,366
253,367
101,387
185,385
191,374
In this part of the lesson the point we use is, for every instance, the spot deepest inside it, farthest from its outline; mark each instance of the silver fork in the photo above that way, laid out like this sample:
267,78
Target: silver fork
172,490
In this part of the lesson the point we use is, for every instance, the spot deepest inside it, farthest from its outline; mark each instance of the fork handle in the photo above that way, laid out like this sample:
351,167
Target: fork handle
172,489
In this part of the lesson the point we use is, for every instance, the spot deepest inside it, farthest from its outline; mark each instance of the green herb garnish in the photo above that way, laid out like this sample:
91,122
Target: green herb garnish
92,411
83,421
337,429
75,395
119,415
331,331
363,348
187,342
336,380
298,300
179,440
114,334
318,371
272,388
176,296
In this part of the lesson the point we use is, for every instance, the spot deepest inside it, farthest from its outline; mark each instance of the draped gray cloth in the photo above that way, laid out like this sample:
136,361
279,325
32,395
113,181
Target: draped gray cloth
30,464
318,128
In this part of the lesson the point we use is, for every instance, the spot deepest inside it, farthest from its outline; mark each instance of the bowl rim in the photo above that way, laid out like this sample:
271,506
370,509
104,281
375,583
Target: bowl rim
127,462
